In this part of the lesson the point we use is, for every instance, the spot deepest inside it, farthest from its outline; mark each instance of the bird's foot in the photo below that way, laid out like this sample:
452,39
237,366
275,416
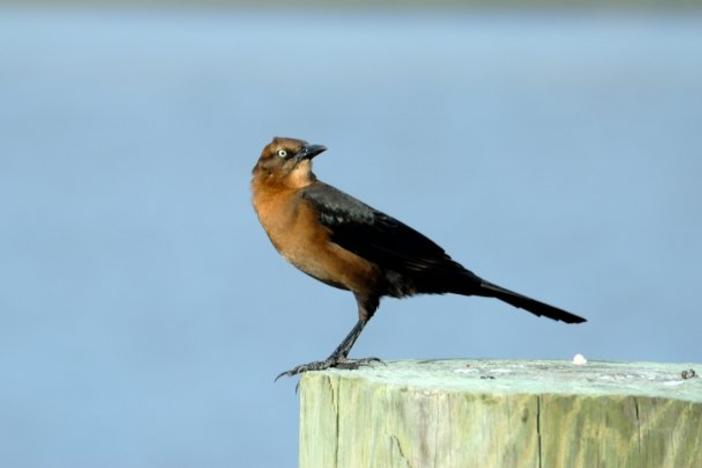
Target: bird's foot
329,363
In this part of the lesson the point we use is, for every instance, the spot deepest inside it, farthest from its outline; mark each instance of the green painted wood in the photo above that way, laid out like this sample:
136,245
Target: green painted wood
484,413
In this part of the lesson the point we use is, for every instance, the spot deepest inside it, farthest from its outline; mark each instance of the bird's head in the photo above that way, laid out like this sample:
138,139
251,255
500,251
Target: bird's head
287,161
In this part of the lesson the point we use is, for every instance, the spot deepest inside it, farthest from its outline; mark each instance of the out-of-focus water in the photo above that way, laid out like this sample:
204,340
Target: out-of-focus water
143,313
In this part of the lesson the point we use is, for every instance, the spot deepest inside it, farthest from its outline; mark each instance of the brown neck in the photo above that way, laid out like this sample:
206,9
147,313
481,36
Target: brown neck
300,177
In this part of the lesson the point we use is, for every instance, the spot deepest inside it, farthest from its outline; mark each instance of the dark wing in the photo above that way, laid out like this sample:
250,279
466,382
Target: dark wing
384,240
411,261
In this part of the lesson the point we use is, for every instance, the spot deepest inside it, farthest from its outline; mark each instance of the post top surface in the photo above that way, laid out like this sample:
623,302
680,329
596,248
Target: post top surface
595,378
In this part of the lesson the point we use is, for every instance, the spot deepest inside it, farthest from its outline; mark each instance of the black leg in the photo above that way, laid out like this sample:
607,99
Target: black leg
342,351
339,358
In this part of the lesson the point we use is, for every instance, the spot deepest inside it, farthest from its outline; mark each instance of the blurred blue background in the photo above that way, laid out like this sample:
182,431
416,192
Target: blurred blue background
143,313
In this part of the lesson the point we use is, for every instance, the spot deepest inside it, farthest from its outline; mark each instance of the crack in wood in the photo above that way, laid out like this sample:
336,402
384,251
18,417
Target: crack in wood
638,423
396,443
538,428
335,405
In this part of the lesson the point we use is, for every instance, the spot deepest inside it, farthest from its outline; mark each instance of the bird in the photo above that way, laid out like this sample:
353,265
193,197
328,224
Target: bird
347,244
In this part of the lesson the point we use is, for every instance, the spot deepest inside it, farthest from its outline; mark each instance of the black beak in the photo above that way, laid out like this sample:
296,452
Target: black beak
310,151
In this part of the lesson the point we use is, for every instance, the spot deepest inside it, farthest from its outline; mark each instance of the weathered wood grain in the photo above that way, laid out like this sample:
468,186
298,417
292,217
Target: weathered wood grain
483,413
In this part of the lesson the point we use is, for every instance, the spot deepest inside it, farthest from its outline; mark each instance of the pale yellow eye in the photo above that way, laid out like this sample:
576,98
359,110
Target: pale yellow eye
282,153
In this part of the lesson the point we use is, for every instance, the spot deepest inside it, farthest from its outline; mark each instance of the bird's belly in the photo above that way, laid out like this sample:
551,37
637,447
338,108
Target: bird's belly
330,264
314,254
314,270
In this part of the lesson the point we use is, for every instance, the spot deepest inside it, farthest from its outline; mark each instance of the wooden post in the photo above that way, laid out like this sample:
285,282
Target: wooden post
484,413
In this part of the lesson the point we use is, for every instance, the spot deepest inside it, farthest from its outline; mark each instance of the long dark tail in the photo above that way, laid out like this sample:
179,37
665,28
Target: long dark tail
488,289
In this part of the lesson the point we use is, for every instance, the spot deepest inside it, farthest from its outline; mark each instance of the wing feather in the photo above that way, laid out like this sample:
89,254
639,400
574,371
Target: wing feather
378,237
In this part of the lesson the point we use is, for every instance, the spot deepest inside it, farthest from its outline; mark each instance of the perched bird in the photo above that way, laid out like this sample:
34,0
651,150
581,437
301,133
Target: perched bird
347,244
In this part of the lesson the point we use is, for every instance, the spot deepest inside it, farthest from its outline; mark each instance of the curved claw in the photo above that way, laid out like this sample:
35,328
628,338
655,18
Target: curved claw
370,360
331,362
310,366
282,374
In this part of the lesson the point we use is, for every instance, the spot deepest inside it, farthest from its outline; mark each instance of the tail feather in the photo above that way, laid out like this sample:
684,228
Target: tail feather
523,302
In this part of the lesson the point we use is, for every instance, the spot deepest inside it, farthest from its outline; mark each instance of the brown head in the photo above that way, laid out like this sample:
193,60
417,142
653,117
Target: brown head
287,162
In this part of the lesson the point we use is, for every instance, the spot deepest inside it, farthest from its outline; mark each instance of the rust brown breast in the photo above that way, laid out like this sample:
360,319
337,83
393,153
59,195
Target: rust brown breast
294,229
